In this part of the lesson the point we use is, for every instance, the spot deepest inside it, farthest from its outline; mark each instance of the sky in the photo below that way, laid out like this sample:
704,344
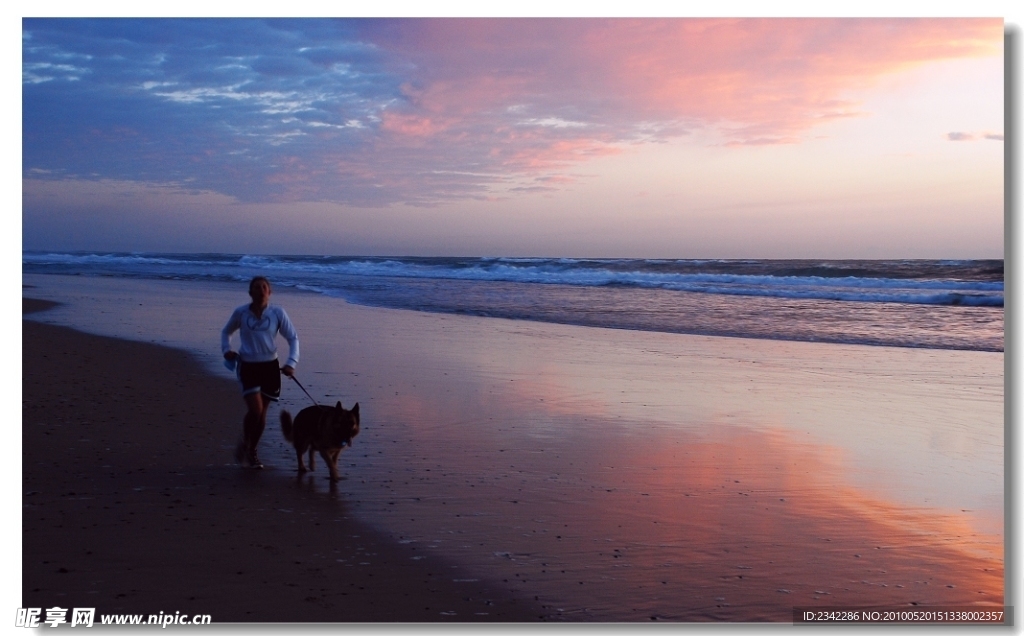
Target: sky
658,137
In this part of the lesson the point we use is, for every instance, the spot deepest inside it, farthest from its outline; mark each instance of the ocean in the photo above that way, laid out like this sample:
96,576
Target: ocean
933,304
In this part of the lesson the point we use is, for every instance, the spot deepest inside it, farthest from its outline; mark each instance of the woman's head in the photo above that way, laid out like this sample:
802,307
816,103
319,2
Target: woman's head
259,288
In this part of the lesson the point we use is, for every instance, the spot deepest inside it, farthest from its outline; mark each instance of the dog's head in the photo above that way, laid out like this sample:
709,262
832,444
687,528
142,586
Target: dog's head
344,424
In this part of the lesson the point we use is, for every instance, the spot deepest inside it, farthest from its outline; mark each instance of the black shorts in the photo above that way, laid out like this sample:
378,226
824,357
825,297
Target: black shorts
262,377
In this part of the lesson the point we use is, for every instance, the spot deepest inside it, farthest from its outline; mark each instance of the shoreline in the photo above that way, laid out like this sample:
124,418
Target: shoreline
555,308
132,504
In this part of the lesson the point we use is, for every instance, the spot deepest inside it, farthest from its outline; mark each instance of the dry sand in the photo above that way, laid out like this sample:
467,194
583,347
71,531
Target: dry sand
130,507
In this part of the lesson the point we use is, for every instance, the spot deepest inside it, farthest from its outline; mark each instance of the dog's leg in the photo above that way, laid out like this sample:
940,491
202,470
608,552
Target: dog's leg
331,465
312,462
334,462
302,467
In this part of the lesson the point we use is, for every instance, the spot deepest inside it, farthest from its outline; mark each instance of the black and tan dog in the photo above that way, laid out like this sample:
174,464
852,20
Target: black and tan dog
325,429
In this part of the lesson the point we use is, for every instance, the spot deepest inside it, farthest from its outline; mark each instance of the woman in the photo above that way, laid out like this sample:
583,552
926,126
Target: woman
258,324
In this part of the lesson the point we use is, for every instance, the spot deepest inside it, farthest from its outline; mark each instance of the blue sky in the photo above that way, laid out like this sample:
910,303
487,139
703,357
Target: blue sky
214,104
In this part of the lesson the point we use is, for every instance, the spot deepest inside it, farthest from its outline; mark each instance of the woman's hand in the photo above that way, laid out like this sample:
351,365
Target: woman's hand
288,371
230,355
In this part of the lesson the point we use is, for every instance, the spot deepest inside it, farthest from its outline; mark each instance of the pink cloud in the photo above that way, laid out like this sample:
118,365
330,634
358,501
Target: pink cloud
483,102
410,125
764,78
546,154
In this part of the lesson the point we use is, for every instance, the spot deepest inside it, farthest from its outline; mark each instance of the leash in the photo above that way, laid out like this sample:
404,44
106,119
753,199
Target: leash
304,389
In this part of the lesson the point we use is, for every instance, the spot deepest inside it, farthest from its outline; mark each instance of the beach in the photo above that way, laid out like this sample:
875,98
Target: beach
507,470
131,508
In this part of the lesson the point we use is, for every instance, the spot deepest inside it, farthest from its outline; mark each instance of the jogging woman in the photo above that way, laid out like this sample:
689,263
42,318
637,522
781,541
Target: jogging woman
257,366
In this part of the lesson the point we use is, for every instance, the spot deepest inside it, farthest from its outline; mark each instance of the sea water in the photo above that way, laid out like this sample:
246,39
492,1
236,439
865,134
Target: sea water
936,304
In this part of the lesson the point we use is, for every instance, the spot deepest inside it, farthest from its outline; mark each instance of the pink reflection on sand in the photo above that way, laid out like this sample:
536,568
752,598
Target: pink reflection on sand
616,520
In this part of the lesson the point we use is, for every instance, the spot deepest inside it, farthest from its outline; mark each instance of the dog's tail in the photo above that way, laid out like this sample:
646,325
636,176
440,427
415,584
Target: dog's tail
286,425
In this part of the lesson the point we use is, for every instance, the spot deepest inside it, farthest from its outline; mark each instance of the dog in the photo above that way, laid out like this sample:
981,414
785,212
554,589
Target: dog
324,429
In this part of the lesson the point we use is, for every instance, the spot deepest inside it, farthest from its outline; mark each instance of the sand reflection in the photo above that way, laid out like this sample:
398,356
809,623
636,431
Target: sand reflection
718,522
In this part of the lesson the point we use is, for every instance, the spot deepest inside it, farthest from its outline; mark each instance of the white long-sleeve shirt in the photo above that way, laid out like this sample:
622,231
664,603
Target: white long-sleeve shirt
257,334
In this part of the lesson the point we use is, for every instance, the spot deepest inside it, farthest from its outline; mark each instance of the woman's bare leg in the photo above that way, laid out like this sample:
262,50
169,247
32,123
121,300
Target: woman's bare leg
253,424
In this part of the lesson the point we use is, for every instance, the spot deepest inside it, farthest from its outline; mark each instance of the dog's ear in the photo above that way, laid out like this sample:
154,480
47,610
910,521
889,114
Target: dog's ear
355,409
339,407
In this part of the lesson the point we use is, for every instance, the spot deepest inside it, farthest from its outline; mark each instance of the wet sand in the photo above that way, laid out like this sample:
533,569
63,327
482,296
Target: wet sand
130,505
620,476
